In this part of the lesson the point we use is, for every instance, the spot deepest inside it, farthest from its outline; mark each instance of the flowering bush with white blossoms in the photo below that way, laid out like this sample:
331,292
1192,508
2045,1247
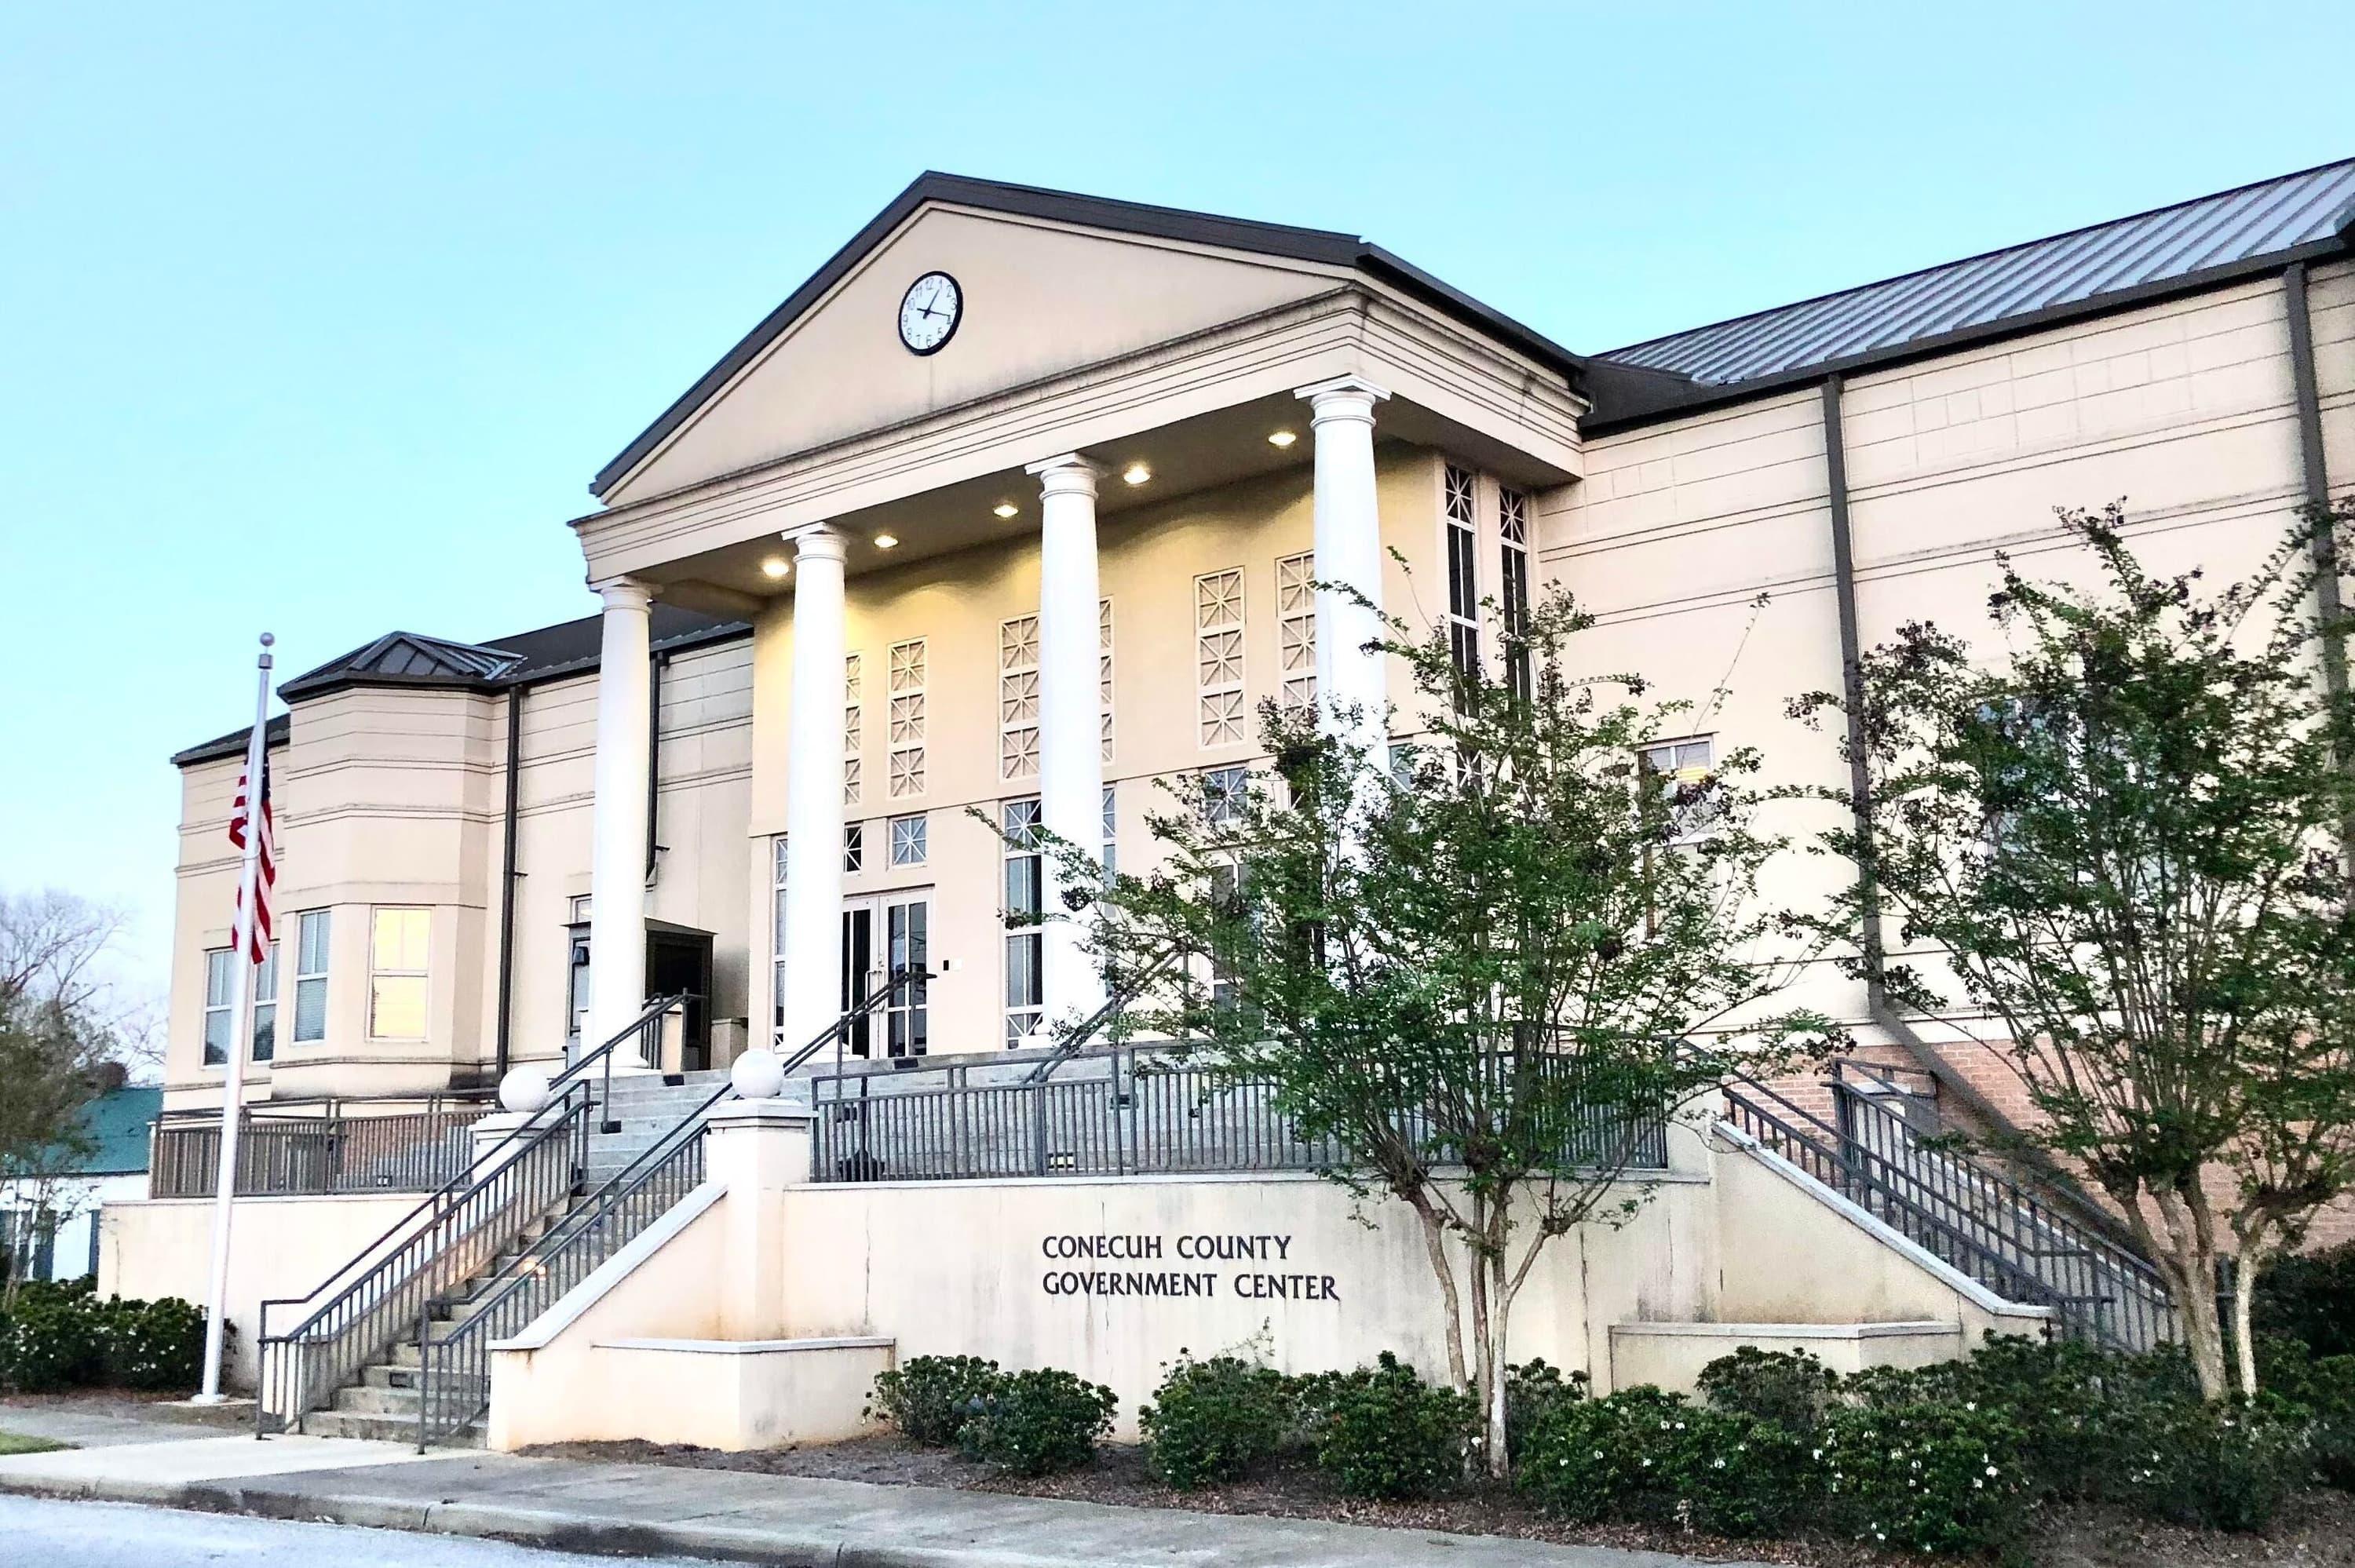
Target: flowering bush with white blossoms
1936,1477
1642,1454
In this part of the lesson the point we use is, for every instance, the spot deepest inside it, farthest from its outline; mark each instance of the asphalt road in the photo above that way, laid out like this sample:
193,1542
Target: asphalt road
36,1532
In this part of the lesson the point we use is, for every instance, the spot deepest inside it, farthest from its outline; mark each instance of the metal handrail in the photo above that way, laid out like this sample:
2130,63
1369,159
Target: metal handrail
1080,1033
411,1259
1958,1211
453,1370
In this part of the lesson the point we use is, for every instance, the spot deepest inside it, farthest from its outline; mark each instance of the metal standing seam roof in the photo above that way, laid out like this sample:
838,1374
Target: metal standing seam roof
2267,218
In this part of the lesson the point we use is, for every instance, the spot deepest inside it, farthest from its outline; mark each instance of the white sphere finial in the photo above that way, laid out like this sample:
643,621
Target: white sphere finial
268,640
524,1090
758,1076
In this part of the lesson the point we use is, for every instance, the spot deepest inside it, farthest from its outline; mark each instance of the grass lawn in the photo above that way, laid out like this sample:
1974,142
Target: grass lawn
13,1443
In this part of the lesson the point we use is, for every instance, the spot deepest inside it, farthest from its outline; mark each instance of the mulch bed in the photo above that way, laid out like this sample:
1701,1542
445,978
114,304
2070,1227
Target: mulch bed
2316,1531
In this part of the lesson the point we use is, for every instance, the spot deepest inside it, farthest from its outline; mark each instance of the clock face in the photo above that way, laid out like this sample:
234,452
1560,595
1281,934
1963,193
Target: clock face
929,312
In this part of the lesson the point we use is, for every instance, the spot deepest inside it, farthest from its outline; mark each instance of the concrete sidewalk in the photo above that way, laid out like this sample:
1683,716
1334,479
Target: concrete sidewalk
659,1511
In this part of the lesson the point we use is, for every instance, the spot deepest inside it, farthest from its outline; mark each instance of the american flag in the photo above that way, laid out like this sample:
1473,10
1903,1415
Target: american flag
266,860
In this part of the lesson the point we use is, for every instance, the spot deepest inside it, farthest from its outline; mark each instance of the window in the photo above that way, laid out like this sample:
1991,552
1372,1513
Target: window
1218,655
1025,898
1295,629
219,1032
1684,768
1513,545
1111,834
398,939
777,927
852,733
1018,698
908,840
1104,671
311,929
220,1029
1463,581
1224,791
907,694
854,846
265,1006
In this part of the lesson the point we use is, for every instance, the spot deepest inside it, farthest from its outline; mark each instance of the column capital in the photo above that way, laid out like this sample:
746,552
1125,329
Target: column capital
816,542
624,593
1069,474
1342,397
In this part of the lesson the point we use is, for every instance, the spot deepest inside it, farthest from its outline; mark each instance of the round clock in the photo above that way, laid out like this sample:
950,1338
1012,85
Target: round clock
929,312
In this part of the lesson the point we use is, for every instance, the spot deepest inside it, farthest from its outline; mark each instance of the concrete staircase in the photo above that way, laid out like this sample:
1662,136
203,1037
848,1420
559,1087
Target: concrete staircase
383,1404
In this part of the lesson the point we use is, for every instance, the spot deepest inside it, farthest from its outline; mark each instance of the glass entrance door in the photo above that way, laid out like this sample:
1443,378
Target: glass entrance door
907,1015
861,972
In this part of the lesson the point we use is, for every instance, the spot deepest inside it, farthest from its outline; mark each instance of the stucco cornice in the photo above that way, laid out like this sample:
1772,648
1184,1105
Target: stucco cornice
1353,329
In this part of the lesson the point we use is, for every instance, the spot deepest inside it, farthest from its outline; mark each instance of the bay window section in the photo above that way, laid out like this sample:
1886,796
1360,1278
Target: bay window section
398,943
311,929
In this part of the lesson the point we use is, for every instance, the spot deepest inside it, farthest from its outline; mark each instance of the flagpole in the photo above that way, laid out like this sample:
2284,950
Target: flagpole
240,1031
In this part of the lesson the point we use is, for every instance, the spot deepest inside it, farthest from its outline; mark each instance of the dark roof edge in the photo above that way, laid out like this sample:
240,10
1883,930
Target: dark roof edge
281,725
1327,246
1707,397
280,730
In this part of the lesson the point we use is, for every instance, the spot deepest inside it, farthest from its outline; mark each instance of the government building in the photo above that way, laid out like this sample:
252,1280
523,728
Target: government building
1011,516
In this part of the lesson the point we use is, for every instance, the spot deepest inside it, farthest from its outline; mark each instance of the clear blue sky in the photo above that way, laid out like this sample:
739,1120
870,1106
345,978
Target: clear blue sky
319,317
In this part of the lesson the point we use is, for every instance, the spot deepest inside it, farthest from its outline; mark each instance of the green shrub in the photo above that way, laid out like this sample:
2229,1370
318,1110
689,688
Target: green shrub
49,1340
1932,1476
1606,1459
1383,1432
156,1345
930,1398
2223,1466
1212,1420
1036,1422
1532,1390
1642,1454
1787,1388
2309,1296
2325,1390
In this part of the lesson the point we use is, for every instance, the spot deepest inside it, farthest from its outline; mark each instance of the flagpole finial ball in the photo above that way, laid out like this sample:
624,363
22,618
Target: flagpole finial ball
524,1090
268,640
758,1076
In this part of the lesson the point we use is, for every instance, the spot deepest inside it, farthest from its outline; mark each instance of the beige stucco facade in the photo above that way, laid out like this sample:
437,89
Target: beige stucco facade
1198,390
1673,532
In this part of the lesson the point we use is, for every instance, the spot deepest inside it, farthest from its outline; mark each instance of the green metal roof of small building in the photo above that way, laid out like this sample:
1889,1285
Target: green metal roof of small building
117,1122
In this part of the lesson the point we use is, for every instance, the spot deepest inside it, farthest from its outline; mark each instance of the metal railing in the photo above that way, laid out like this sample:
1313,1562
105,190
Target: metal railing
406,1143
365,1306
1968,1216
1127,1111
456,1337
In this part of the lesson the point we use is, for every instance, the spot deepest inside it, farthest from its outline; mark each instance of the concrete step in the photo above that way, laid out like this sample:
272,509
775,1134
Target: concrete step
391,1374
369,1400
381,1428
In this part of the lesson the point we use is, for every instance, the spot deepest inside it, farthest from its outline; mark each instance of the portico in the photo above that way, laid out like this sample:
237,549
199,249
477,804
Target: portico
1040,594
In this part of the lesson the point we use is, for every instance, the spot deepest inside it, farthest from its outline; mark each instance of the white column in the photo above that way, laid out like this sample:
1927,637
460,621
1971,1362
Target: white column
1070,710
1349,537
617,851
813,997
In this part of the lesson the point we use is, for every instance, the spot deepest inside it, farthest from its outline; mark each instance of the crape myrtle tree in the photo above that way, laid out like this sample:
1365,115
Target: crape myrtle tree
1488,967
2118,828
58,1043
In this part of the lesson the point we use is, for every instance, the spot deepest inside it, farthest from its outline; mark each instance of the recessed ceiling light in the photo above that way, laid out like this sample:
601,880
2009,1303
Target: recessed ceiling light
886,541
1135,473
775,567
1281,438
1006,509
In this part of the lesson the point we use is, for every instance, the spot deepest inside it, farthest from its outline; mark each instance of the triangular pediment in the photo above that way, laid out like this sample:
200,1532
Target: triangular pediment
1050,283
